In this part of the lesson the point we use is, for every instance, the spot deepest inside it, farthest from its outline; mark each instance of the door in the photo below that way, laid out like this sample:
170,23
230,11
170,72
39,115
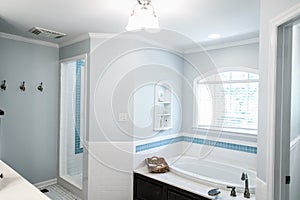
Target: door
287,130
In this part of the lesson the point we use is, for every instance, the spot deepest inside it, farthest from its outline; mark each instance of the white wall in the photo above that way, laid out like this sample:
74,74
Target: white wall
295,101
294,172
119,68
269,10
295,117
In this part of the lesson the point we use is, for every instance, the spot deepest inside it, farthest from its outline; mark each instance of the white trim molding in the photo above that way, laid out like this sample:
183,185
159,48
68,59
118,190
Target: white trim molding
27,40
46,183
102,35
222,46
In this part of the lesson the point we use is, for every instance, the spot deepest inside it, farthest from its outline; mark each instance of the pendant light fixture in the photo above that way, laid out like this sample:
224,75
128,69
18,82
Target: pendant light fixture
143,17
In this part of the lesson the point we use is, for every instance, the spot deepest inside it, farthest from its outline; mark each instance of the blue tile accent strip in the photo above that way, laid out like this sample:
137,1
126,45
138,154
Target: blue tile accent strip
79,64
224,145
152,145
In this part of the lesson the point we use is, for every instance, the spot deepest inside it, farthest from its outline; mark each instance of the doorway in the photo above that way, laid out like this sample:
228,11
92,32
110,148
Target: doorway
72,122
287,117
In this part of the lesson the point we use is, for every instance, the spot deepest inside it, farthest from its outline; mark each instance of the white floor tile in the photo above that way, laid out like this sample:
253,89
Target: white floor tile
57,192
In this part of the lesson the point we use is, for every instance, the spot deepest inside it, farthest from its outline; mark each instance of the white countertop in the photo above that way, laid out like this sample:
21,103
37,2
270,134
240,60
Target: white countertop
189,185
14,187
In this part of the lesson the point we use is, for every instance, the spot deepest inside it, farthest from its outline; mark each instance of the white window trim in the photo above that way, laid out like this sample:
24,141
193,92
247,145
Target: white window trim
195,126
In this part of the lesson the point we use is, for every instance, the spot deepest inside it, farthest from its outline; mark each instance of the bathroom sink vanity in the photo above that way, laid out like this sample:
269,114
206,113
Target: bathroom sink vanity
146,188
14,187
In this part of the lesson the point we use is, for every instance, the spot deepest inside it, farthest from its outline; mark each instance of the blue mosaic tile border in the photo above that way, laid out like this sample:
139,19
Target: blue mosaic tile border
224,145
79,64
152,145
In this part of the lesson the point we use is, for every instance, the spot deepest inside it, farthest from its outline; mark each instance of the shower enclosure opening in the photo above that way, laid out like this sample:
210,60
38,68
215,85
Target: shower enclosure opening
72,120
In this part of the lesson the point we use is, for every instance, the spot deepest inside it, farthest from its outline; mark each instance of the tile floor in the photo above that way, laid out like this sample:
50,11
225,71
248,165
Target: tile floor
57,192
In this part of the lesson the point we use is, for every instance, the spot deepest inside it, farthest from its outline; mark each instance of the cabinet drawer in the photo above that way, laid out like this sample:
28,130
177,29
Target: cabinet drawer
181,195
146,188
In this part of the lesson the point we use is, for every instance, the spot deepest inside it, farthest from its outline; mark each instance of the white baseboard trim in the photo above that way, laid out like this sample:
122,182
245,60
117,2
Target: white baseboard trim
46,183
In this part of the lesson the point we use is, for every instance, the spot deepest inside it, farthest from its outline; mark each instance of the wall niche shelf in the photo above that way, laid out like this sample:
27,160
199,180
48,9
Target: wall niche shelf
163,106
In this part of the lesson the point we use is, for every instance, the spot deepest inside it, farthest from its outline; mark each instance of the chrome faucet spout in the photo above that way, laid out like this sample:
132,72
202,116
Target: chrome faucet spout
245,178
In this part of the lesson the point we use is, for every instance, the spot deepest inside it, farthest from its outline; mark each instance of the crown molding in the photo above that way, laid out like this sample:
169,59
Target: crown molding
27,40
102,35
222,46
85,37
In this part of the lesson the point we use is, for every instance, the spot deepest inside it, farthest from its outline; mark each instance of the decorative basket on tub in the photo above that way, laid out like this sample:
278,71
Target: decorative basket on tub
157,164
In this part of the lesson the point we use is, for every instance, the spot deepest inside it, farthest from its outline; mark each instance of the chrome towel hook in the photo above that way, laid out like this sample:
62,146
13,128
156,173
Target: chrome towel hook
40,87
22,86
3,85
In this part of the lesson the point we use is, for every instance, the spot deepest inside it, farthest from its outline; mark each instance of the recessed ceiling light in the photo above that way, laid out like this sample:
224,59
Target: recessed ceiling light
214,36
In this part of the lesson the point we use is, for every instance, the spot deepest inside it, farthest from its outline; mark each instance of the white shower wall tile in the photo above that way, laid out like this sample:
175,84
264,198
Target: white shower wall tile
74,161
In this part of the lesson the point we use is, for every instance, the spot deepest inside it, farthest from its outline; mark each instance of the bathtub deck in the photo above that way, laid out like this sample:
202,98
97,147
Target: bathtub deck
188,185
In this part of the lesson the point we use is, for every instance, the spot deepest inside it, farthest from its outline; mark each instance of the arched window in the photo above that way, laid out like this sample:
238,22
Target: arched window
227,101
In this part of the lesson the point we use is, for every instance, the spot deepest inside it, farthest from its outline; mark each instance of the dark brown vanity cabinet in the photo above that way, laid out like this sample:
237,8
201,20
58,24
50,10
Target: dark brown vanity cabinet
146,188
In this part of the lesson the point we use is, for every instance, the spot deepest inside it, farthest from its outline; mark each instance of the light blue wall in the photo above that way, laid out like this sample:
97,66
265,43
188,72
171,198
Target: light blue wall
168,68
30,127
75,49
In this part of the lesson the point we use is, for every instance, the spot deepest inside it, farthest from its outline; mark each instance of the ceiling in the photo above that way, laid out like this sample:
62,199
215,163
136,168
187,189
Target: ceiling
195,19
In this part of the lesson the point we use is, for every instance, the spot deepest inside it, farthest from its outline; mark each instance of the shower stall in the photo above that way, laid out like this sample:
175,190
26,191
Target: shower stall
72,122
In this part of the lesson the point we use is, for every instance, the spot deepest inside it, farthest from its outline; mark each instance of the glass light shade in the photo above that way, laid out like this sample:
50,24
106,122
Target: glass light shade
133,23
143,18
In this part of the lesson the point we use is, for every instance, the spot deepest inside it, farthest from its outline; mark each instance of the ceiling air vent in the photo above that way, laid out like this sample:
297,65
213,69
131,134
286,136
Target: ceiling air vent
46,33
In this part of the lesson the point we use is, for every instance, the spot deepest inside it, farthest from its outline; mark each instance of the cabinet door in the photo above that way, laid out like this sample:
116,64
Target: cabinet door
148,190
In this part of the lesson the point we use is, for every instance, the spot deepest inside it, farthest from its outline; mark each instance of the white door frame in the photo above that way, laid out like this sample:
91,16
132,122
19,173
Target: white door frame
271,124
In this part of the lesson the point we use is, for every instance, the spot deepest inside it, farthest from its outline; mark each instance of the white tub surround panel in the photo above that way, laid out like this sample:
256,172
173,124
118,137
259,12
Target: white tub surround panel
110,170
14,187
260,190
212,173
229,156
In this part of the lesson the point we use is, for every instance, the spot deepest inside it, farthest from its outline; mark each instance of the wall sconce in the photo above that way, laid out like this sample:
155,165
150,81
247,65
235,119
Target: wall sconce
40,87
3,85
22,86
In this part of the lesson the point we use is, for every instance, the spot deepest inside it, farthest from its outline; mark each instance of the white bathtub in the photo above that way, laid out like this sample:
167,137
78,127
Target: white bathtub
212,173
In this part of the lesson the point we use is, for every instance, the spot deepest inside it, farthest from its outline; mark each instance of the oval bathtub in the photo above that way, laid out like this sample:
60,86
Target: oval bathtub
212,173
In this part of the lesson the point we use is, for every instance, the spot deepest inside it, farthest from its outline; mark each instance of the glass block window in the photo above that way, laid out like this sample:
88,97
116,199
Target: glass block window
227,101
